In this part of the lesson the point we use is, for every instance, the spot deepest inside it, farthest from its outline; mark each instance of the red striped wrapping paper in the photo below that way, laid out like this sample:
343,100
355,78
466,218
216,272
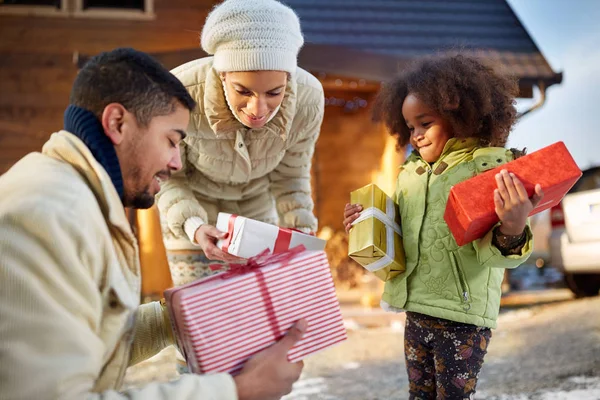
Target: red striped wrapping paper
221,321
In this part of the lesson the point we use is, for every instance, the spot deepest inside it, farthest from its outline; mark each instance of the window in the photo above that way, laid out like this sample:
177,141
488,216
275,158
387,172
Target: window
122,9
107,9
31,3
33,7
114,4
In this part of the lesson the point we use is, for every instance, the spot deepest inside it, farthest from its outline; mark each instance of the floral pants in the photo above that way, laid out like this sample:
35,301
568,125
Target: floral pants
443,358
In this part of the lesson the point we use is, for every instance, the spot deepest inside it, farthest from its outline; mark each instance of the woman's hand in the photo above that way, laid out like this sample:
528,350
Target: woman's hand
512,203
351,212
207,236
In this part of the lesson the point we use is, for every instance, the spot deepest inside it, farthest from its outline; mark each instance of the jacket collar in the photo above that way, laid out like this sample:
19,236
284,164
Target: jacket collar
222,120
65,146
86,126
454,149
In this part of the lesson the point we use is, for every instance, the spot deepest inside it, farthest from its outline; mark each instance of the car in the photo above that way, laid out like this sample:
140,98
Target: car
574,241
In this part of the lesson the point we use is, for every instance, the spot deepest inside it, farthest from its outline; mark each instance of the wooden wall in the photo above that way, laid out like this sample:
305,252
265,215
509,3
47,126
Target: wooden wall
349,155
37,69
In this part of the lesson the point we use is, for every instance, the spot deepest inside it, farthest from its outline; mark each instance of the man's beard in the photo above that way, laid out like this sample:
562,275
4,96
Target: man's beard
140,200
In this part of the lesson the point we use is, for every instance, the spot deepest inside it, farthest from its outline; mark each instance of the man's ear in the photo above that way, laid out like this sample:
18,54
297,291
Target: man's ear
112,120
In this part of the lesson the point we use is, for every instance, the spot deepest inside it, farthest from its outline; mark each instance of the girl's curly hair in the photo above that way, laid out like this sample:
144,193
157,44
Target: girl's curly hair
476,100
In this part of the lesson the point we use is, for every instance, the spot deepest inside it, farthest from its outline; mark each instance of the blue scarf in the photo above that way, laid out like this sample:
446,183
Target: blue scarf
84,124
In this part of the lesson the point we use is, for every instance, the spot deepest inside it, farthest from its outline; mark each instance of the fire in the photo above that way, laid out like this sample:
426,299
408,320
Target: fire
385,176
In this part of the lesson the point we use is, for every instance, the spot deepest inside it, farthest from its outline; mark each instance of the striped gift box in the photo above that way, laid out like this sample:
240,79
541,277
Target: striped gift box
223,320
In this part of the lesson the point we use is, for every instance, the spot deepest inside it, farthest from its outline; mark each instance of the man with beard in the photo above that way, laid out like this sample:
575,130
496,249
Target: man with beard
70,319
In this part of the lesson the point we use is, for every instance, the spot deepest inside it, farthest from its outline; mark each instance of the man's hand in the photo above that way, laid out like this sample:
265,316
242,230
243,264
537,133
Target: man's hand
269,375
207,236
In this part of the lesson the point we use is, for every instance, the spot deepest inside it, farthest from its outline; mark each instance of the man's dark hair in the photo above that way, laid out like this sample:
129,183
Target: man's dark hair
131,78
476,99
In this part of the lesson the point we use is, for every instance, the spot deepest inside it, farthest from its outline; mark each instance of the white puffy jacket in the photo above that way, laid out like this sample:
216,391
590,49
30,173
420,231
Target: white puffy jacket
261,173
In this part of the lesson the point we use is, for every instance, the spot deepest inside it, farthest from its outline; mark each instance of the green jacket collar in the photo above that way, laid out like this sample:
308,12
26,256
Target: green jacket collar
454,149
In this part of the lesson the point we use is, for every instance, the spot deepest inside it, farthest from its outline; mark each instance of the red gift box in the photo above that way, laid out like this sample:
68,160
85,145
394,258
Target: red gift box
470,211
222,320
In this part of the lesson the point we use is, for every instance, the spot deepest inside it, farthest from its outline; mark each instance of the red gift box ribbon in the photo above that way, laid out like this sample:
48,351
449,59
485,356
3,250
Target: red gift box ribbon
282,242
253,265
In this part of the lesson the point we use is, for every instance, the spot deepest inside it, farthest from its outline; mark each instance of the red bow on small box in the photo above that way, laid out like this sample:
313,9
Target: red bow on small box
282,243
253,265
254,262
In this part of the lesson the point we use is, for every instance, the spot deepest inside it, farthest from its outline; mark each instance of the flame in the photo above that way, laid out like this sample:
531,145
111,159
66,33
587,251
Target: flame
385,176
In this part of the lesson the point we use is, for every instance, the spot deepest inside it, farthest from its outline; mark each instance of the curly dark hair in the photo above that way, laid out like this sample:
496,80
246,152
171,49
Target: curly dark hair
475,99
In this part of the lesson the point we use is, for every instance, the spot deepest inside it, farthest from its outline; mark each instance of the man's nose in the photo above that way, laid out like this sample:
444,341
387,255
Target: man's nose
175,163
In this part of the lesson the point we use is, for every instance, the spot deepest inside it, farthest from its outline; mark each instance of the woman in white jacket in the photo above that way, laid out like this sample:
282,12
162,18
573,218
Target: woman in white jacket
251,138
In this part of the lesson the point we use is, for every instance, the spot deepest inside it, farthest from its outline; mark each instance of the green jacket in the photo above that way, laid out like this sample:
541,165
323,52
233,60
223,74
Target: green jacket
442,279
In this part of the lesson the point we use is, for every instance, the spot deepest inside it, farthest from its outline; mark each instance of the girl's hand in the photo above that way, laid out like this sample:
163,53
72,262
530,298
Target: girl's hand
513,206
351,212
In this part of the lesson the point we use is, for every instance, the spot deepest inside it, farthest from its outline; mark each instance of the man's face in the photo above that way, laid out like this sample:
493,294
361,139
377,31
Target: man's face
149,154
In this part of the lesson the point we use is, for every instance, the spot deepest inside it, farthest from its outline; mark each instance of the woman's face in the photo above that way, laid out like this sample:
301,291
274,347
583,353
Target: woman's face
254,96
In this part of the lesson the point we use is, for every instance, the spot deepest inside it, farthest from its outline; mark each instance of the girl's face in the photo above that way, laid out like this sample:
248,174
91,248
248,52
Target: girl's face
429,132
254,96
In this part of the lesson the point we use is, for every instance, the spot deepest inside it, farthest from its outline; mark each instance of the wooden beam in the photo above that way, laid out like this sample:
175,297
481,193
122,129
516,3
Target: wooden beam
33,116
40,81
20,60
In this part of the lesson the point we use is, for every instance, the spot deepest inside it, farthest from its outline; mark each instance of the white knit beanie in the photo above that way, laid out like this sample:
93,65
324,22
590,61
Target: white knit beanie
252,35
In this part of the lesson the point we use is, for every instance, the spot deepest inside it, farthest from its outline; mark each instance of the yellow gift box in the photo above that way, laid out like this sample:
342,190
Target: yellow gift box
375,240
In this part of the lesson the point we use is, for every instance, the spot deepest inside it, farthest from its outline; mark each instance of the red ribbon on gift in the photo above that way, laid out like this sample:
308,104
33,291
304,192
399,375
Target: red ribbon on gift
282,242
230,226
253,265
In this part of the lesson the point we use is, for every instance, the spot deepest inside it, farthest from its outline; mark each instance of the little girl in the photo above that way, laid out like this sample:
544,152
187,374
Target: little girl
457,114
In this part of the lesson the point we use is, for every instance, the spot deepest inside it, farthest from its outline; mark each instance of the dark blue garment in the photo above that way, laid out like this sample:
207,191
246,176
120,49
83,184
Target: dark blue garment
86,126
